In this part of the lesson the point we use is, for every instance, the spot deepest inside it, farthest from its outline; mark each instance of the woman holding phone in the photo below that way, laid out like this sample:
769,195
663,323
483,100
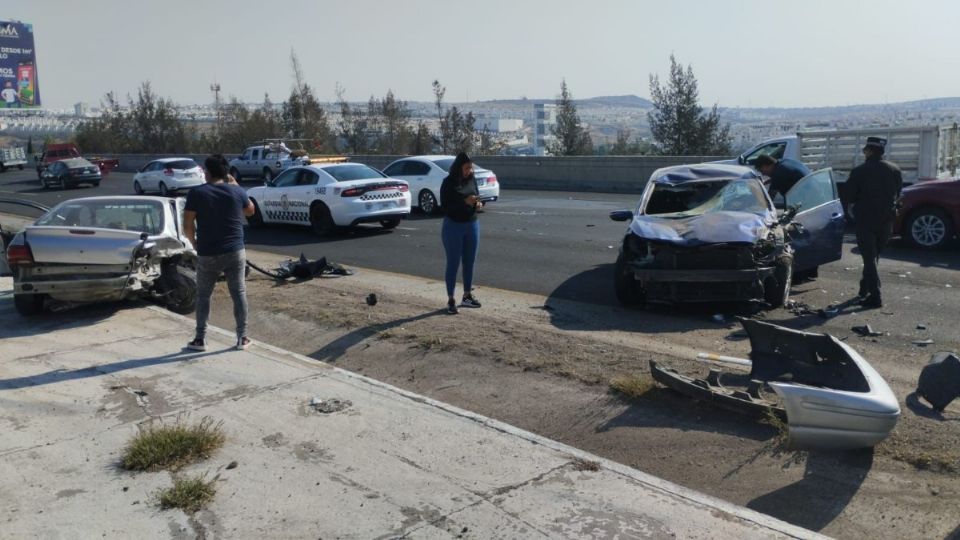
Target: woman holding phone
459,200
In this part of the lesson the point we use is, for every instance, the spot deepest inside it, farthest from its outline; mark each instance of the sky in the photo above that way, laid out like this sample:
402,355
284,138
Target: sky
744,53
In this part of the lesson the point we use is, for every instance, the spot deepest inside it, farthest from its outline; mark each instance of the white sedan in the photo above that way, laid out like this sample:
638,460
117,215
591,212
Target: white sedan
168,175
425,174
328,196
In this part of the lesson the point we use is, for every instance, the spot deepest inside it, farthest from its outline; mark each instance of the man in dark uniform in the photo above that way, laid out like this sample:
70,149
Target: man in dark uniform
873,188
783,173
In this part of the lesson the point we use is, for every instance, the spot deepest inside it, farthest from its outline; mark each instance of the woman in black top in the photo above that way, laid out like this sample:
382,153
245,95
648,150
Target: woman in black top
461,230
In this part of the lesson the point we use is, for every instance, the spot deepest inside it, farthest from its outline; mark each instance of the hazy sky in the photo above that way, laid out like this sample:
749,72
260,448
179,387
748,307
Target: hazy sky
744,53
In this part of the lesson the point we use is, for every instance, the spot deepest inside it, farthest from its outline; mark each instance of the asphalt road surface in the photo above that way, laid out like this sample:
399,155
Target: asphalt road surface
557,244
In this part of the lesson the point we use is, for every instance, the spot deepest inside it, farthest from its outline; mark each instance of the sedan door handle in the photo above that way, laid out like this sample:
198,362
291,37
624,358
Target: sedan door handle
836,215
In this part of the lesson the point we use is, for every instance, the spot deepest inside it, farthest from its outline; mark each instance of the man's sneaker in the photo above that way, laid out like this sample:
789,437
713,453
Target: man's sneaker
452,307
470,301
243,343
197,345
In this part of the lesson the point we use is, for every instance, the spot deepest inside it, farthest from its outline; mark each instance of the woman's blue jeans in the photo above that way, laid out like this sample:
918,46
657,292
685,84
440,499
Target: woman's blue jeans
461,241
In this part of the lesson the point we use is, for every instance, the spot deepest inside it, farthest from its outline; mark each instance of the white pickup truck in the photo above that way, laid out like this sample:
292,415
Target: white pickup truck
266,161
922,153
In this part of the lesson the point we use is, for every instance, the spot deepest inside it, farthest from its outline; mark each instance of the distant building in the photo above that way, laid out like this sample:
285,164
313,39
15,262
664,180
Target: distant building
543,117
80,109
497,125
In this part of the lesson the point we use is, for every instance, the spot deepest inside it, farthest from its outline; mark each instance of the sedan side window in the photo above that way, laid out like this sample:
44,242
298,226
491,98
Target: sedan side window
774,150
812,190
415,168
397,169
287,178
308,178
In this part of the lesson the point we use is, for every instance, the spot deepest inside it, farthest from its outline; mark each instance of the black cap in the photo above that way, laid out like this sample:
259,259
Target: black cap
876,143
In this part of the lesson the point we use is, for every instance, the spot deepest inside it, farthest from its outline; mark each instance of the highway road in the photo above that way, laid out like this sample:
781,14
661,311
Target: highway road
556,244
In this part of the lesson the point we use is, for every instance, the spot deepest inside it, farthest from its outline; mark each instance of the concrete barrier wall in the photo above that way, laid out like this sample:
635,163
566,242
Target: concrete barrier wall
613,174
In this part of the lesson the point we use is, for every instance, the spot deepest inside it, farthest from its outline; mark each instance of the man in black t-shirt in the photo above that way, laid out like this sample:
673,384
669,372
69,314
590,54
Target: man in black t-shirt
213,223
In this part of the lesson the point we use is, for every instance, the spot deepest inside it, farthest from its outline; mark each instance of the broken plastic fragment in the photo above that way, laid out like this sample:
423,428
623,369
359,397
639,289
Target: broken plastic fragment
923,342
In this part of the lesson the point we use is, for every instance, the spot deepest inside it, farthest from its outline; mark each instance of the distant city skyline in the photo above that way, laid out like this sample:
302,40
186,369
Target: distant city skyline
745,54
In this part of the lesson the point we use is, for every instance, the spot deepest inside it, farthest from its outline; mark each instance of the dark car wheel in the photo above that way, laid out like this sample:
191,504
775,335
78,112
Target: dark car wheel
929,228
256,220
776,288
63,183
164,191
427,202
181,285
321,221
236,175
628,290
28,304
137,188
267,174
389,223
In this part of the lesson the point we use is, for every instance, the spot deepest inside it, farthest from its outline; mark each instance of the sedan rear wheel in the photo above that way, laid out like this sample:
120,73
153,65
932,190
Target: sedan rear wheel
137,188
929,228
164,192
427,202
321,221
389,223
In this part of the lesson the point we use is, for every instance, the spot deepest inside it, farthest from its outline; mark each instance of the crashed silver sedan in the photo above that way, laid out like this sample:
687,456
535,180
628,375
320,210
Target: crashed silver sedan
830,396
99,249
707,233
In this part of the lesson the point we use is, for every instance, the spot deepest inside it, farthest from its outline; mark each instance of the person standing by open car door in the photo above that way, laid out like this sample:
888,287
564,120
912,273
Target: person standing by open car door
213,222
459,199
783,173
874,187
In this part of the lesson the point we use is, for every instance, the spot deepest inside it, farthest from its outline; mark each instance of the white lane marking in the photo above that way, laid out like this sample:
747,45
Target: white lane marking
408,228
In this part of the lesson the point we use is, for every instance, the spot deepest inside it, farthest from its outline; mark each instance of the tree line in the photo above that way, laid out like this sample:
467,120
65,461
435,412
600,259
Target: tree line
148,123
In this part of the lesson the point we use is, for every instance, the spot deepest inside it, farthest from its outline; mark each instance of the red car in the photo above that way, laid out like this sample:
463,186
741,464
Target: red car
930,213
55,152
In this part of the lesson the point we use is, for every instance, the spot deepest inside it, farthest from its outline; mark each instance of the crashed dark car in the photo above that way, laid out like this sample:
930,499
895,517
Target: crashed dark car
711,233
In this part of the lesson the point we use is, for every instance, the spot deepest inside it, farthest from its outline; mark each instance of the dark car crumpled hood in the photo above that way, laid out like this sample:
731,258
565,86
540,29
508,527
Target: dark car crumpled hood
709,228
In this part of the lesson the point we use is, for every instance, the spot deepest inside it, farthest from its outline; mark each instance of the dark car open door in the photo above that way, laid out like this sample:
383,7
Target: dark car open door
821,215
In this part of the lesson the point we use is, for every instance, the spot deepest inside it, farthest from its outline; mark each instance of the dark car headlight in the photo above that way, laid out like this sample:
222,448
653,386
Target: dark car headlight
635,245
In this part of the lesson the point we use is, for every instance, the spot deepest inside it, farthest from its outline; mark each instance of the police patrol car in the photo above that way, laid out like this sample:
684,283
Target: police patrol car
329,195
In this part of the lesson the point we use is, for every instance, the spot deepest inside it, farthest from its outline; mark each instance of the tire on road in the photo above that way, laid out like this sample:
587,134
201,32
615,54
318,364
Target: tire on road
236,175
427,202
256,220
628,290
390,223
776,288
180,286
28,305
928,228
164,191
267,174
137,188
321,221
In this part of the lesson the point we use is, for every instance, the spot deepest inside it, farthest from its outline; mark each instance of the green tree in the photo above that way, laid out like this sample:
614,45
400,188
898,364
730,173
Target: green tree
438,93
303,117
422,142
352,126
625,146
679,124
571,138
392,124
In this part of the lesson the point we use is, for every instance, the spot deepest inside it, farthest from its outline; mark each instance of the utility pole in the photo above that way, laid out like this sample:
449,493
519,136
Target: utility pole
215,88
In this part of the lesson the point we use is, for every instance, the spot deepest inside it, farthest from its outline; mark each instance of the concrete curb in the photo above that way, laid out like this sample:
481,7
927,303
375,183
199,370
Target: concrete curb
653,482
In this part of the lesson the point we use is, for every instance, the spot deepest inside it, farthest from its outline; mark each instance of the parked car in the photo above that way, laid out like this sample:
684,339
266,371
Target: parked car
266,161
70,173
167,176
14,156
329,196
710,232
425,174
104,249
829,395
58,151
929,213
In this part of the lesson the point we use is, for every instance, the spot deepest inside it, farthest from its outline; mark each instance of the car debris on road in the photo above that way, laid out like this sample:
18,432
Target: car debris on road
939,381
829,395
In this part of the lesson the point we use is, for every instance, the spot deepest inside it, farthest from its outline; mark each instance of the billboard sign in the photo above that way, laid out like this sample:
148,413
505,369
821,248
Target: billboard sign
18,66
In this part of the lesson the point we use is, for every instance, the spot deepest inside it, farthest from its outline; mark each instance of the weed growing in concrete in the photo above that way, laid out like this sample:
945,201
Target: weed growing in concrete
633,386
783,431
188,494
581,464
172,446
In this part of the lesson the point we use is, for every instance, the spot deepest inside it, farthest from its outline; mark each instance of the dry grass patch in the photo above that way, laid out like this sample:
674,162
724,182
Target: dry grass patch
188,494
172,446
933,460
633,386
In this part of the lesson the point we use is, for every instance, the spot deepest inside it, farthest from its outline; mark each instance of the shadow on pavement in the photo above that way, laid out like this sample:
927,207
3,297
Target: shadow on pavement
899,250
293,235
332,351
61,375
664,408
48,321
830,481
